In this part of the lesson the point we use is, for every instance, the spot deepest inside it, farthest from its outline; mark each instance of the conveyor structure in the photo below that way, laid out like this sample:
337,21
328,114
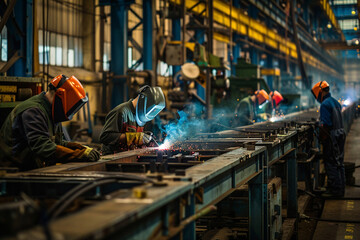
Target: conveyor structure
241,184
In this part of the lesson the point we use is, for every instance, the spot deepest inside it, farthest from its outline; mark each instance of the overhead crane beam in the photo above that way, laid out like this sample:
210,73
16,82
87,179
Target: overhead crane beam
245,25
339,46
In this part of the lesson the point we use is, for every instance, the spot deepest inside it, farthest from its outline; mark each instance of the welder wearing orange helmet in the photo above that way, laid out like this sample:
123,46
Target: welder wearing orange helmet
332,137
32,133
276,99
246,110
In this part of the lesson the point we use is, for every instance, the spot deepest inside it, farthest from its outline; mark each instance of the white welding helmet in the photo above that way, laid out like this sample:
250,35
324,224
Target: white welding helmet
150,103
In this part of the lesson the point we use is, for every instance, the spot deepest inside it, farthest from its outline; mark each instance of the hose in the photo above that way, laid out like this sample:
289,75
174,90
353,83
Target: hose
78,190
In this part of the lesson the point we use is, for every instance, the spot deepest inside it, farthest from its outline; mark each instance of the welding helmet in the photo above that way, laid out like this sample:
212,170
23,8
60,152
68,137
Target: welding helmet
69,97
151,102
261,97
276,98
318,89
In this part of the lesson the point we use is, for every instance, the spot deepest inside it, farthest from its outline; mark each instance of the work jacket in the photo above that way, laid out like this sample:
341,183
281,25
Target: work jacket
245,112
120,120
29,136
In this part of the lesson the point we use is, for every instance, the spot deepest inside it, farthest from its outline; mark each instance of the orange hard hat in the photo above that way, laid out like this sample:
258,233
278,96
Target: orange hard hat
317,89
261,96
69,97
276,98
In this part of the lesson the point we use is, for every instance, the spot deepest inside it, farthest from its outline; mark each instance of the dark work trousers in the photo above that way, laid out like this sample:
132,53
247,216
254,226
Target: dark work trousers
333,152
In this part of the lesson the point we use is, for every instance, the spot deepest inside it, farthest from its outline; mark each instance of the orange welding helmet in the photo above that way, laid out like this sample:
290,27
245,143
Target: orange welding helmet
318,89
69,97
261,96
276,98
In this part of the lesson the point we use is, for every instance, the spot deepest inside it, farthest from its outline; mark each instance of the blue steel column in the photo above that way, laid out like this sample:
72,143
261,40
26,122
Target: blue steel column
24,44
176,32
256,204
189,230
236,48
269,64
147,34
291,177
200,38
119,46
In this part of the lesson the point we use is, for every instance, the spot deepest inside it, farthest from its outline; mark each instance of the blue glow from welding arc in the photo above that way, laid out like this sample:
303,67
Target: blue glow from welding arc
190,123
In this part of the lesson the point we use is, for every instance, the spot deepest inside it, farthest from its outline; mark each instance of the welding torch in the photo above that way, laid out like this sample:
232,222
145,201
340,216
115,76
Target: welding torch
152,138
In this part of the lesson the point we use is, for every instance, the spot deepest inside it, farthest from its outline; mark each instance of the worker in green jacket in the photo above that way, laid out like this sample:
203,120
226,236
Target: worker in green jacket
31,136
246,110
124,125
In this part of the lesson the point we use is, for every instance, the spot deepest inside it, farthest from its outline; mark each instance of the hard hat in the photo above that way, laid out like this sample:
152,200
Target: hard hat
150,103
69,97
276,98
261,96
318,88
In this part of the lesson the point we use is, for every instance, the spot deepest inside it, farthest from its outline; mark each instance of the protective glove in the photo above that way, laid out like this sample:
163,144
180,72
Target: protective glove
74,145
65,154
137,138
90,154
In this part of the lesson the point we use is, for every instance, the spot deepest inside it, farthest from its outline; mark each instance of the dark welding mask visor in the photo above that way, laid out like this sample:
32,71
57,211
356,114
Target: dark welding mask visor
150,103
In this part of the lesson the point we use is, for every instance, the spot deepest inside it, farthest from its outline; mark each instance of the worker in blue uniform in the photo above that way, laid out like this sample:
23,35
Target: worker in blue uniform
332,136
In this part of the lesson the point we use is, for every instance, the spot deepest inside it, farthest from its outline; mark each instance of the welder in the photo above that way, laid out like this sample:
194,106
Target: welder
276,99
246,112
124,125
32,135
332,136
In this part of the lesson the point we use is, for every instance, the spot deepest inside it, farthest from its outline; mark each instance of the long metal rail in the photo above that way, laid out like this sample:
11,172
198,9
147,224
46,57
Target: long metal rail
170,206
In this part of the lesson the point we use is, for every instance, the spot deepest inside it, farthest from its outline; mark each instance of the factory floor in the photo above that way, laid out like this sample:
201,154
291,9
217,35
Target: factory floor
348,209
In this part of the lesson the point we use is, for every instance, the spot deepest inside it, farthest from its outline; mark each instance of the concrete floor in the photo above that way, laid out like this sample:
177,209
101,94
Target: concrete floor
344,209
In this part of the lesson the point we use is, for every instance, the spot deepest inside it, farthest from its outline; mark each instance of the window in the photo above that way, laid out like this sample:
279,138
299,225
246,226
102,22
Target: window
3,45
348,24
340,2
63,50
60,32
107,56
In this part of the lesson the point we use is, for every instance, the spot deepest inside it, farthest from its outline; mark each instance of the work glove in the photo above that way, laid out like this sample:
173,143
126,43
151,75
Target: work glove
137,138
74,145
65,154
90,154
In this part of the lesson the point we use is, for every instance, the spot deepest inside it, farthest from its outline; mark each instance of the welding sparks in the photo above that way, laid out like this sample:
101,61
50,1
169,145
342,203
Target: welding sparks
165,145
347,102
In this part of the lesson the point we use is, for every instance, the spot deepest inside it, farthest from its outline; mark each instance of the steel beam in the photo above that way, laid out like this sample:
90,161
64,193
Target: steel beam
119,56
23,43
148,34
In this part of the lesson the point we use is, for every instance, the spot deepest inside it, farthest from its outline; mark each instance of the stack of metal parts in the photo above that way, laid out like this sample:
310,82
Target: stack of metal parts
182,191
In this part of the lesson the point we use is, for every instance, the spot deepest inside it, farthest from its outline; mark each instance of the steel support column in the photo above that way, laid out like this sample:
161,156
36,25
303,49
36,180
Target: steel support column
256,205
176,33
291,179
21,42
200,38
189,230
269,64
119,38
148,34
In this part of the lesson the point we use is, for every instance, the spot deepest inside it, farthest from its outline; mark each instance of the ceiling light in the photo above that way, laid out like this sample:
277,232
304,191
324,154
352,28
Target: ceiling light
355,28
353,12
329,25
357,42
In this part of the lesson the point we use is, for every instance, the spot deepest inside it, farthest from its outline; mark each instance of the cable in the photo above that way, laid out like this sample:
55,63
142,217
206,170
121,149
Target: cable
303,216
78,190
